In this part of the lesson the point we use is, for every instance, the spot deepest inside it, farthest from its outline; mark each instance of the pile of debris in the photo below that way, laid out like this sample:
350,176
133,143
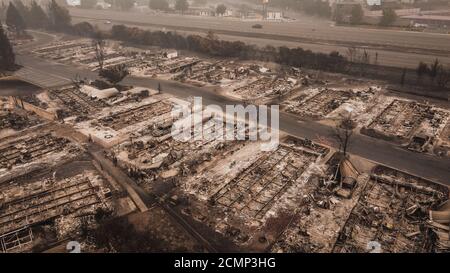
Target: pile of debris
34,149
393,211
439,222
321,103
267,87
409,123
11,120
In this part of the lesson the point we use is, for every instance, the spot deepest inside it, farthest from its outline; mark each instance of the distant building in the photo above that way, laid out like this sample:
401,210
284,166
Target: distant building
171,54
73,3
103,5
200,11
274,15
228,13
343,9
205,13
394,4
251,15
372,3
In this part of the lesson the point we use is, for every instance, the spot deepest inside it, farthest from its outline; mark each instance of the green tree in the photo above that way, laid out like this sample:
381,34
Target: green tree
181,5
125,4
443,76
403,77
88,4
221,9
244,9
159,4
356,15
23,10
389,16
434,69
7,57
421,70
200,2
38,18
59,16
338,16
14,20
3,8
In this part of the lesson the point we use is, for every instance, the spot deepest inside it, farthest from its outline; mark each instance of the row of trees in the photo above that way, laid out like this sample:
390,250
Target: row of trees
437,73
357,15
88,4
117,4
121,4
322,8
212,46
388,18
14,19
311,7
7,57
180,5
19,17
159,5
316,7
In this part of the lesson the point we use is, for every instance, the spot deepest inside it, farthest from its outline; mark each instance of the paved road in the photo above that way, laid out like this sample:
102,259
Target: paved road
40,78
394,47
431,167
307,28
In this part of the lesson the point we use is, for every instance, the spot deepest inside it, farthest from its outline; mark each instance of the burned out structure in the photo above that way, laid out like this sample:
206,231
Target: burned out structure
30,203
50,189
73,102
40,185
146,63
387,212
239,194
153,154
23,152
393,211
14,120
415,125
320,103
